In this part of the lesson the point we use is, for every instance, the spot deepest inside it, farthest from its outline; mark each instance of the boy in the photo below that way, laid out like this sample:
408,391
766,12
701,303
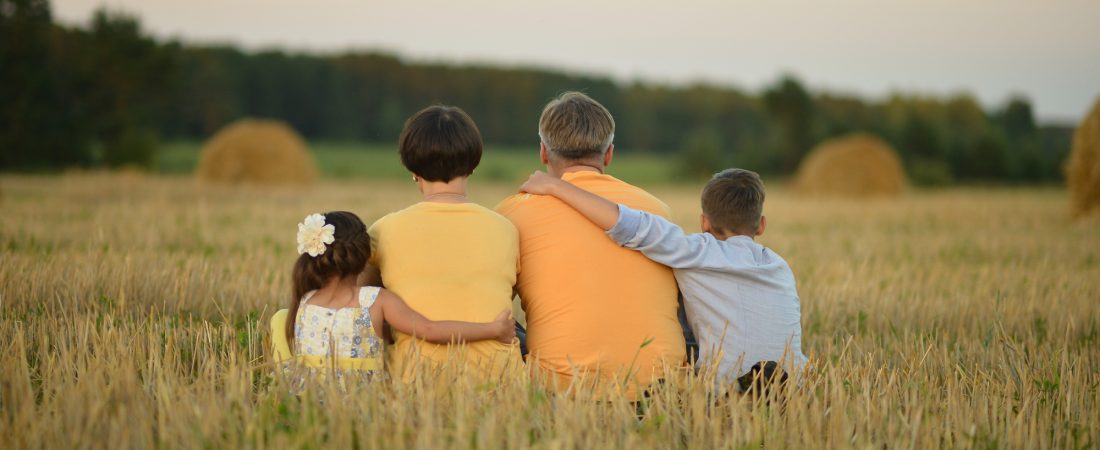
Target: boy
740,297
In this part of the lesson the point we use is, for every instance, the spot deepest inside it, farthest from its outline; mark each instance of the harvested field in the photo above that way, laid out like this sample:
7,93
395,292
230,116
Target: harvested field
133,312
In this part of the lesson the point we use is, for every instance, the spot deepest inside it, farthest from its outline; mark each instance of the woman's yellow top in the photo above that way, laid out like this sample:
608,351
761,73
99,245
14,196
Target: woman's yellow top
449,261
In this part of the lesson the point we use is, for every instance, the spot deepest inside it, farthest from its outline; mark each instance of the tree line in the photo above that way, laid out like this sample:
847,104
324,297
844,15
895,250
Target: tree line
107,93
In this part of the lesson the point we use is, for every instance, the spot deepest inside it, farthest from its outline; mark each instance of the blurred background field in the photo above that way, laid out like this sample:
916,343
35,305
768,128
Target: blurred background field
351,160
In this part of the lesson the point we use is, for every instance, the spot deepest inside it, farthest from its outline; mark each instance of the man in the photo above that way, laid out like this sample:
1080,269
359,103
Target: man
594,310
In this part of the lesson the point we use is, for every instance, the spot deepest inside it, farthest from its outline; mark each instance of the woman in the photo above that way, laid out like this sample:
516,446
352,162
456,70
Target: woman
450,259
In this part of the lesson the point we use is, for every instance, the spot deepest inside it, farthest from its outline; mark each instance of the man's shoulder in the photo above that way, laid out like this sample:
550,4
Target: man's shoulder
515,206
649,203
630,195
522,206
509,204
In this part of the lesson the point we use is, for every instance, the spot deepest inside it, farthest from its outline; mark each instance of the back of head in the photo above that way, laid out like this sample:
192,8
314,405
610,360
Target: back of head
574,127
440,143
345,256
733,201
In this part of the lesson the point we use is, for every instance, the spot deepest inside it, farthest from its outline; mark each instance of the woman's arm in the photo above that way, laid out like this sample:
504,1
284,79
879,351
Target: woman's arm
599,210
406,320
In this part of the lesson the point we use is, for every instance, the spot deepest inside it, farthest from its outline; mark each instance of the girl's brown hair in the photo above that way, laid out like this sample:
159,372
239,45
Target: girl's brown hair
347,255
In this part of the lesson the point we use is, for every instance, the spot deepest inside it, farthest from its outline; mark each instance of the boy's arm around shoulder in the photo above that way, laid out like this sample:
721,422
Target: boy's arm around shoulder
663,241
656,237
598,210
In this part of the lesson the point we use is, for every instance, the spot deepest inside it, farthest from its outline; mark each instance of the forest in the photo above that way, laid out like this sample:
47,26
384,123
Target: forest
108,94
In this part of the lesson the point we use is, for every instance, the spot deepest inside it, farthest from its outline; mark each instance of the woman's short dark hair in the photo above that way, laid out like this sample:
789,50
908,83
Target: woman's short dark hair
440,143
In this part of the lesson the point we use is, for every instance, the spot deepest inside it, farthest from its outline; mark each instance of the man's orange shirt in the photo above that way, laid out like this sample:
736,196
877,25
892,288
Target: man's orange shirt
591,305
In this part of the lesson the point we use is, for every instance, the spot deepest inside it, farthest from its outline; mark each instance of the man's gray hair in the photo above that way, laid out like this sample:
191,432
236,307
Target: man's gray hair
575,127
573,154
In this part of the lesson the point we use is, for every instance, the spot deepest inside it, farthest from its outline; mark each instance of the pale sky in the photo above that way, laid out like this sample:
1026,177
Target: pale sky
1049,51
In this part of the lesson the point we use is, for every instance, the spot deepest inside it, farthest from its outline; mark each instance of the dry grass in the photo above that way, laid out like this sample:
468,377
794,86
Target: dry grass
132,313
1083,167
855,165
256,151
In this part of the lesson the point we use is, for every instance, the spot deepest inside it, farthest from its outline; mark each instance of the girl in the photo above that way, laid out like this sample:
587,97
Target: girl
331,319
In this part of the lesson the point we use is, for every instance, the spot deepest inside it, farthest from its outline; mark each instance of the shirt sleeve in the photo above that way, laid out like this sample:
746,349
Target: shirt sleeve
368,295
663,241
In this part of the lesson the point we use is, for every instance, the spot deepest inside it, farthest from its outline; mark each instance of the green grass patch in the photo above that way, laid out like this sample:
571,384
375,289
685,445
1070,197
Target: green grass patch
345,160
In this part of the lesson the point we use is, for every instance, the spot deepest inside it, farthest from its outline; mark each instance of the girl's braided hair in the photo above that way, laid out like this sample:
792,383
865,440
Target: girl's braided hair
347,255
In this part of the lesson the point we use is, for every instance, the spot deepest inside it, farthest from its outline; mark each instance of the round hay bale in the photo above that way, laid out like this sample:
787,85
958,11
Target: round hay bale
855,165
256,151
1083,166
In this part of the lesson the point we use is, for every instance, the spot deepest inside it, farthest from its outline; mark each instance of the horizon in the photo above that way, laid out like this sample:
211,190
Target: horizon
991,59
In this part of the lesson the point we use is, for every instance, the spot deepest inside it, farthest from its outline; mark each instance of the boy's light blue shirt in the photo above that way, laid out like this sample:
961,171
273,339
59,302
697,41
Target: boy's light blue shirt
740,297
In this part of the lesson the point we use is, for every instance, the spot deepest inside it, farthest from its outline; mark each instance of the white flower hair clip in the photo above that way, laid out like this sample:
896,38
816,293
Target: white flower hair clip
314,235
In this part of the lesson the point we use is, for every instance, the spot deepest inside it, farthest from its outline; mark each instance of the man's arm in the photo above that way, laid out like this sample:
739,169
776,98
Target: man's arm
656,237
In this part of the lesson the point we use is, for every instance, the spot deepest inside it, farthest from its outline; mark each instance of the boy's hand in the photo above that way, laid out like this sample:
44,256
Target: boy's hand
506,327
540,184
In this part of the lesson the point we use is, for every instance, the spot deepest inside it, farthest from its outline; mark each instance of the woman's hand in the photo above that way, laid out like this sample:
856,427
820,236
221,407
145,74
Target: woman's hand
540,183
505,326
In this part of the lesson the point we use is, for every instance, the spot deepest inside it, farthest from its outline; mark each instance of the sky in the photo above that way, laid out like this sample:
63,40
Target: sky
1047,51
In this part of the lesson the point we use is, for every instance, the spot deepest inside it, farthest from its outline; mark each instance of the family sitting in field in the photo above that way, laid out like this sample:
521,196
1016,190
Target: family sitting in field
597,265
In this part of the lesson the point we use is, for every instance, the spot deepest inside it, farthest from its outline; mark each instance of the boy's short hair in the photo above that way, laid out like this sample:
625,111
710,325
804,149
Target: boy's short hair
440,143
576,127
733,201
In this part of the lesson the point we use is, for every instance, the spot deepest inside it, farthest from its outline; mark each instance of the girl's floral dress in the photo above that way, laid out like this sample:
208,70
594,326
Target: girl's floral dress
327,341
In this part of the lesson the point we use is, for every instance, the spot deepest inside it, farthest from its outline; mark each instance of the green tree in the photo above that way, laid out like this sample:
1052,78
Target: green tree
103,94
791,107
1017,119
38,123
921,139
701,154
131,75
987,159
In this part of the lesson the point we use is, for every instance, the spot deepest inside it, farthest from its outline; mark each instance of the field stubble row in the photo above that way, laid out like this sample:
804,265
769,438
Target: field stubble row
133,310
